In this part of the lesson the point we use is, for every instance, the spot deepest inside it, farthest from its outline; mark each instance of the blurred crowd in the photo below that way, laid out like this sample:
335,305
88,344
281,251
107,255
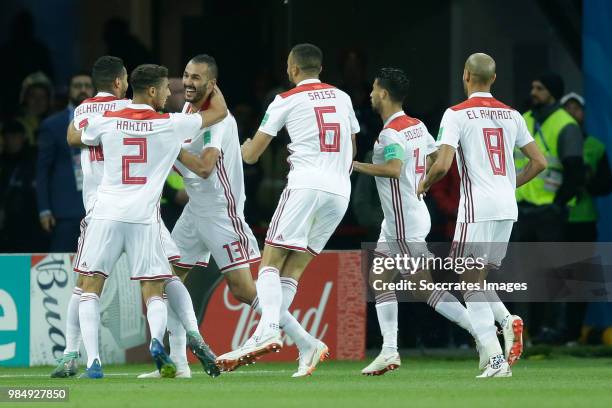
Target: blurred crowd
41,205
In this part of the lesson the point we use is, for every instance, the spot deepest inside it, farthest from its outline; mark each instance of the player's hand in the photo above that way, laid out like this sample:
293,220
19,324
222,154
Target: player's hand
217,98
47,222
422,190
356,167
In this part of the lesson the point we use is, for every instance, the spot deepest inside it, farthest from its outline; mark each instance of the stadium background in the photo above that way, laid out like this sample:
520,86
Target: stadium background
250,40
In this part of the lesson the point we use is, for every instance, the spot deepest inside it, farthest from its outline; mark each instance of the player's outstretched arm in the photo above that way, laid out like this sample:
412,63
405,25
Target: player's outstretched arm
73,136
537,164
252,149
217,110
202,165
438,169
390,169
354,142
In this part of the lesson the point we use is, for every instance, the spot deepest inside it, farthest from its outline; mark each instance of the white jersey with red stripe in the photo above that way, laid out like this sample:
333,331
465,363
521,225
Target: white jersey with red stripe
320,120
406,217
485,131
140,147
223,191
92,158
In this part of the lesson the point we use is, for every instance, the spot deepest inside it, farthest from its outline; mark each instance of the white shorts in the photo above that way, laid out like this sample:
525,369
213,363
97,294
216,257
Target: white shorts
413,247
168,244
486,239
230,241
305,219
104,241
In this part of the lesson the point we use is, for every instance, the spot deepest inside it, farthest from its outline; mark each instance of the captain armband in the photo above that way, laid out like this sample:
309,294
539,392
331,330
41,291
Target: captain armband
394,151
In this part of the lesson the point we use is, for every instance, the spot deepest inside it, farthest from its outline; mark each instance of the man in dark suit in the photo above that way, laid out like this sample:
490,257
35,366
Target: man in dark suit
59,177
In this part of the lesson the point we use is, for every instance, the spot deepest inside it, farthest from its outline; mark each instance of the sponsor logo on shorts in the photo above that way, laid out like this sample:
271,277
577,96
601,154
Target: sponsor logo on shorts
279,237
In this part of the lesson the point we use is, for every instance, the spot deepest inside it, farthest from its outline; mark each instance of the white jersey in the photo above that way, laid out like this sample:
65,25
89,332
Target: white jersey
223,191
320,120
406,217
140,147
485,131
92,158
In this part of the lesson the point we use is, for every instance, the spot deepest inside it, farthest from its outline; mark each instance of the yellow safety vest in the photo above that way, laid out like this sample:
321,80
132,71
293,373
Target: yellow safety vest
542,189
585,209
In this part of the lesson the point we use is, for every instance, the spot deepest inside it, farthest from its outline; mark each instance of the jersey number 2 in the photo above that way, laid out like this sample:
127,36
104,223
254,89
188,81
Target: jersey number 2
325,127
494,140
141,157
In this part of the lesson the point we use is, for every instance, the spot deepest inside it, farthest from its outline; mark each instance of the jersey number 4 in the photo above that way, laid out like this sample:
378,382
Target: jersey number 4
419,169
325,127
141,157
494,140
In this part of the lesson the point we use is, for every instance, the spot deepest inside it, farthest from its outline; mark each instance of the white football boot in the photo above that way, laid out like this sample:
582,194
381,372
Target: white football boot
382,364
497,367
251,350
181,372
512,328
308,362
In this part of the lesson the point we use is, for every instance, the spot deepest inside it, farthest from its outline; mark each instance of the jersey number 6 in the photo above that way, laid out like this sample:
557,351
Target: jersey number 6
325,127
141,157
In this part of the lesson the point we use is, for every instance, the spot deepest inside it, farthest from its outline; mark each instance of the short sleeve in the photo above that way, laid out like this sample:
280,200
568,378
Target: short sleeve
353,118
430,141
91,132
186,126
392,144
275,116
523,136
214,134
449,130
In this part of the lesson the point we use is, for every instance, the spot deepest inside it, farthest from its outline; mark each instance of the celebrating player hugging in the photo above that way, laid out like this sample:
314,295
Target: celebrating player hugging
129,148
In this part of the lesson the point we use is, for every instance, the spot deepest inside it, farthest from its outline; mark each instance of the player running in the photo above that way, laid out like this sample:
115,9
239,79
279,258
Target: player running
398,164
483,132
140,146
321,124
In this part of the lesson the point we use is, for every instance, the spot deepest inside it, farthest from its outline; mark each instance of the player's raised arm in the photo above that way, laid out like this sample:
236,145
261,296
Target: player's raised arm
252,149
438,169
537,164
217,110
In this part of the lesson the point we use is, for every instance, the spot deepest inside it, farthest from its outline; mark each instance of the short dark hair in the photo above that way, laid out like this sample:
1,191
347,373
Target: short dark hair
307,57
105,70
146,76
394,81
80,72
208,60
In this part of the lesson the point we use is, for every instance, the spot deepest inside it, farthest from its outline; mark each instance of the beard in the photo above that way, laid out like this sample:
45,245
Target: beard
77,100
196,95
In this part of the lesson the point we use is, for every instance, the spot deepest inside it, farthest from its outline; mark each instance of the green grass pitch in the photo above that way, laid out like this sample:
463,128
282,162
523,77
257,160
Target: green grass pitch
421,382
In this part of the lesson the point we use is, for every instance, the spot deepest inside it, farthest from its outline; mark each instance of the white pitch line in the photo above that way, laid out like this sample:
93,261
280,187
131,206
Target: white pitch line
135,374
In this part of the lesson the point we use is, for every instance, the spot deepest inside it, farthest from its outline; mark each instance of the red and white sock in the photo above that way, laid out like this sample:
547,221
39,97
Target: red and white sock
157,316
270,297
449,306
386,311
